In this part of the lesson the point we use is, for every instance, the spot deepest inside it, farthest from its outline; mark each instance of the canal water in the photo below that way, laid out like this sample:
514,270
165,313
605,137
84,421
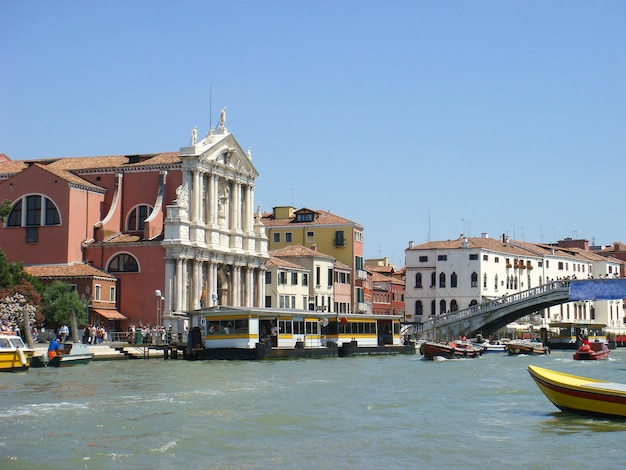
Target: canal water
397,412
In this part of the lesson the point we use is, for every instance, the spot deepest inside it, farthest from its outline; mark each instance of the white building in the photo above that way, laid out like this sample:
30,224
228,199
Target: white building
445,276
215,244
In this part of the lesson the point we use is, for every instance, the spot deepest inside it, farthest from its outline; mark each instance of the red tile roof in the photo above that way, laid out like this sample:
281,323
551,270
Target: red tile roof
74,270
299,250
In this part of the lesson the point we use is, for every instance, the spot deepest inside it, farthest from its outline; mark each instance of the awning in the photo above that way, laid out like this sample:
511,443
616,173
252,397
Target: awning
110,314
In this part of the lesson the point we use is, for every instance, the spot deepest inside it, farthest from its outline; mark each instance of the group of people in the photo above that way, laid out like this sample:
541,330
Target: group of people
149,335
94,334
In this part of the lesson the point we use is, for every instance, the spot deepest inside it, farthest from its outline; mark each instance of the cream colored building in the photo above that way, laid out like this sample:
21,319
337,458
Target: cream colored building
445,276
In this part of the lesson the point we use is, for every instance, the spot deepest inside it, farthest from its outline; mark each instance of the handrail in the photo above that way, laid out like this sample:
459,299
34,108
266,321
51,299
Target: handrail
480,309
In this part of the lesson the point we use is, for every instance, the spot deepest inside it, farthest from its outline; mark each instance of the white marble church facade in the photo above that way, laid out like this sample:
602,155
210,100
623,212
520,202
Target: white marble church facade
215,244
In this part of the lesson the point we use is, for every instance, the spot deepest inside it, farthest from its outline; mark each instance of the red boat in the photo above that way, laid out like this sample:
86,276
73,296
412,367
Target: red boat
592,351
451,350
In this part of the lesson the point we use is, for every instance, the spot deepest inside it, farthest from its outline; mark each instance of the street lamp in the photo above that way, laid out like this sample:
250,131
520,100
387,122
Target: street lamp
157,294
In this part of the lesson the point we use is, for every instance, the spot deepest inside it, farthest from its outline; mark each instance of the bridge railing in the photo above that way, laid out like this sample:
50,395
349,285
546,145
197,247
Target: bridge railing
485,307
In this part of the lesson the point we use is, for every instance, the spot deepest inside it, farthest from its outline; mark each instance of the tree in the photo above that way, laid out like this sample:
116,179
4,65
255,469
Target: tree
5,209
59,300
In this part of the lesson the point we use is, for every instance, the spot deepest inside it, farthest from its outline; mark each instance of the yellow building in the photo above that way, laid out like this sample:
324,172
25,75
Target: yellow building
324,232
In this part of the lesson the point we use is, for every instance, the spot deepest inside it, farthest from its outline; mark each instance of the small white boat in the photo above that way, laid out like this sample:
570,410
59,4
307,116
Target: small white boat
14,354
70,355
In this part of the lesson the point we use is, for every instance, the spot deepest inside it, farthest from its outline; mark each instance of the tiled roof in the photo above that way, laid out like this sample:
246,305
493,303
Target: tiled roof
73,270
70,177
325,218
340,265
378,277
380,269
511,247
281,263
299,250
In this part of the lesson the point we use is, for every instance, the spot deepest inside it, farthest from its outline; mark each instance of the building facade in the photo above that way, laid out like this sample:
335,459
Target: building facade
177,230
323,232
446,276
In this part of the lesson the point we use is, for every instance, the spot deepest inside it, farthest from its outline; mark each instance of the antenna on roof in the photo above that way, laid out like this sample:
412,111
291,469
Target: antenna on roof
210,105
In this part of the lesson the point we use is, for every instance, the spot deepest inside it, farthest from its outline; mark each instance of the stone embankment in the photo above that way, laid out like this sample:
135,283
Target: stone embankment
112,351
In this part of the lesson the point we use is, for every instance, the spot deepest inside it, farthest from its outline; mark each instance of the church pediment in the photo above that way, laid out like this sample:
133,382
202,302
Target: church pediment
228,155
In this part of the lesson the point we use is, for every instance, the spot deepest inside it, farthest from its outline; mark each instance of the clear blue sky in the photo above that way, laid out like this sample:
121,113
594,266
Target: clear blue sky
417,119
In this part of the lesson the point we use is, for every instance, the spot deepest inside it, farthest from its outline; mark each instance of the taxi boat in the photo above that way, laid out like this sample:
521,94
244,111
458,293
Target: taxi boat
258,333
532,348
71,354
452,350
580,394
14,354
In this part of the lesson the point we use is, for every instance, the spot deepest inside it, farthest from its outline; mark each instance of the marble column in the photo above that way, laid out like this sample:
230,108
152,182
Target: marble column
178,294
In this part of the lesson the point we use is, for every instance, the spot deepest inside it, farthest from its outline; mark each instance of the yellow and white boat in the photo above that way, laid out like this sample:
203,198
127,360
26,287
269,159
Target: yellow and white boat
14,355
580,394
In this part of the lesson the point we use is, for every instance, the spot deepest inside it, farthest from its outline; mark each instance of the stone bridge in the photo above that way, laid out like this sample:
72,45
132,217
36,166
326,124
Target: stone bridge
487,318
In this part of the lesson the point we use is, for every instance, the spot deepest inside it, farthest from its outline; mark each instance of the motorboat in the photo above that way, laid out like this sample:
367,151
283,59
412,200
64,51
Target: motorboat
450,350
592,351
14,354
580,394
71,354
527,347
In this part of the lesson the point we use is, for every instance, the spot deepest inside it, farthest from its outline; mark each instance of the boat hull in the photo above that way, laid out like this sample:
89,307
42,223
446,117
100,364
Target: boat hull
592,352
13,361
580,394
531,349
431,350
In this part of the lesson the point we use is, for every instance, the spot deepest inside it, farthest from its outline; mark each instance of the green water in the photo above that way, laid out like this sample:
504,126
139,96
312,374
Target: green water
342,413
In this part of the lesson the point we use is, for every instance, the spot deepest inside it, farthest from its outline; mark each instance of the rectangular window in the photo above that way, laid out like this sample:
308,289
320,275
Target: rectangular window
442,258
98,292
318,275
32,234
268,301
294,279
33,211
496,259
276,237
288,237
358,236
358,263
560,266
330,277
423,259
268,277
474,257
112,294
310,236
339,238
485,257
305,302
282,277
305,279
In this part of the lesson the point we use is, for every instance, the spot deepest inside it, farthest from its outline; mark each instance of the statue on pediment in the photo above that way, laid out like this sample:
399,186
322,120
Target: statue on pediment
194,135
222,118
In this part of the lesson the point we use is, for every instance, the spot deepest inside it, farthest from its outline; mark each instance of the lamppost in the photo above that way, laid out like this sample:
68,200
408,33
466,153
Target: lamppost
157,294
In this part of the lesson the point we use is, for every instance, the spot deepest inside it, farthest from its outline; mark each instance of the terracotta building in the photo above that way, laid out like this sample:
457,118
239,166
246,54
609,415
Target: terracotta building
164,233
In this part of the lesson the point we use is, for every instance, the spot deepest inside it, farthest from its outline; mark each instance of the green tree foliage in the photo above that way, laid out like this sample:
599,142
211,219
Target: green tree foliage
14,280
5,209
59,300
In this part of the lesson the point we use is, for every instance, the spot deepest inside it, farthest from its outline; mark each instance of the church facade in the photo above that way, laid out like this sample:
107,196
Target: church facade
177,230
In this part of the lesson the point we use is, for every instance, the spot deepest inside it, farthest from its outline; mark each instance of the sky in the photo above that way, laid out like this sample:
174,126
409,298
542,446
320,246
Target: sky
419,120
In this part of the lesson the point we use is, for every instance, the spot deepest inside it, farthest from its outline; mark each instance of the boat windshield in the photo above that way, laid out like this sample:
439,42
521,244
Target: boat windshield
17,342
4,343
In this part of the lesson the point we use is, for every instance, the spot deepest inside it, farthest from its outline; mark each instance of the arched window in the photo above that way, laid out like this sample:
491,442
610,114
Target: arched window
473,302
474,279
123,263
418,280
442,280
433,306
419,309
33,211
453,280
485,280
442,307
454,306
433,279
137,218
